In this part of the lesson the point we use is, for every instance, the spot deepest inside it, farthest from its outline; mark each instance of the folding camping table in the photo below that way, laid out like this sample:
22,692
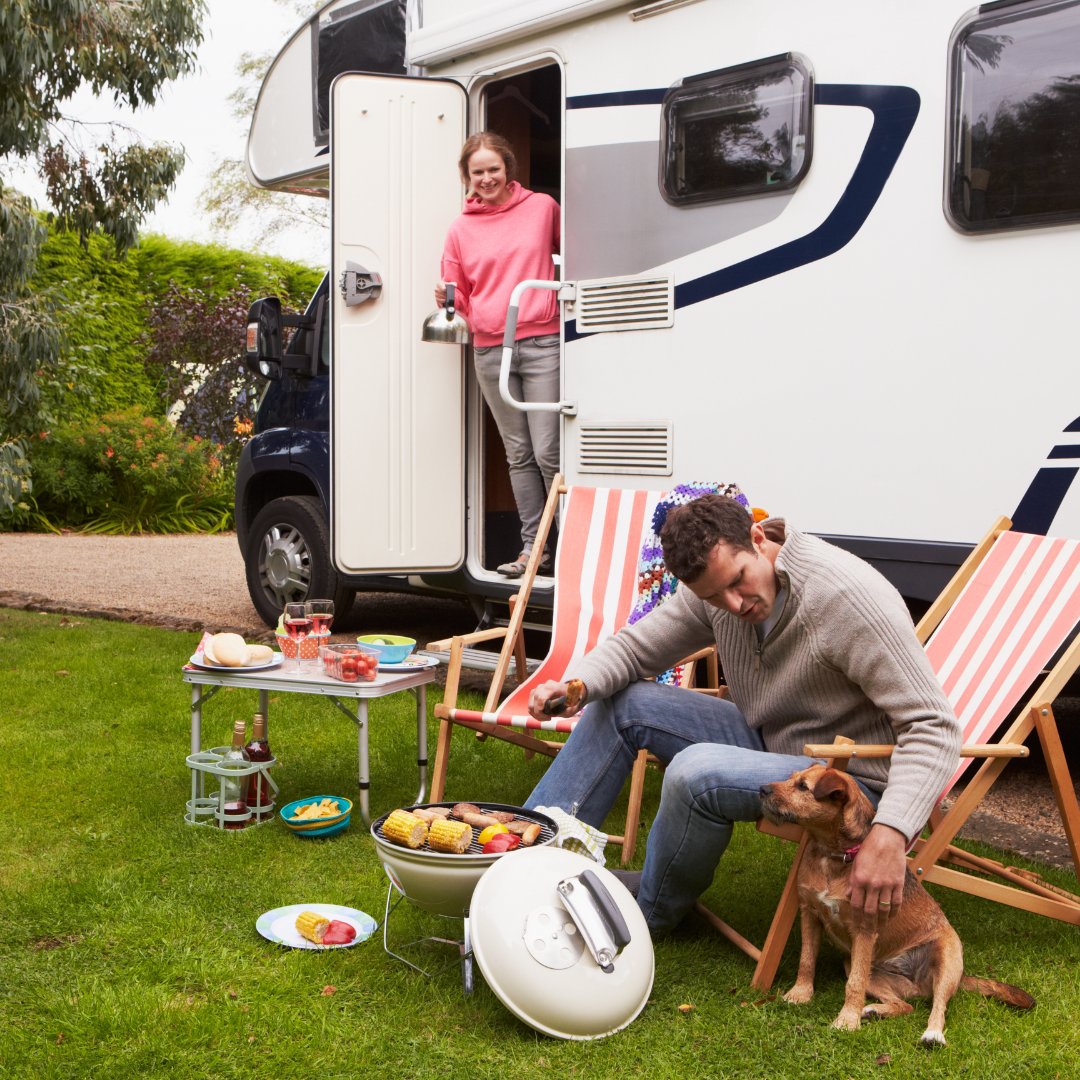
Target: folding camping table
205,684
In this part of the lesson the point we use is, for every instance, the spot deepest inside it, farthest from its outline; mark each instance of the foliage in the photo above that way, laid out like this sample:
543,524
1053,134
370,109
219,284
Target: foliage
128,939
195,348
48,50
131,473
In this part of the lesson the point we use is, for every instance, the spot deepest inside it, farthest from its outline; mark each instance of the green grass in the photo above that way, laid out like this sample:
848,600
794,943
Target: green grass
128,943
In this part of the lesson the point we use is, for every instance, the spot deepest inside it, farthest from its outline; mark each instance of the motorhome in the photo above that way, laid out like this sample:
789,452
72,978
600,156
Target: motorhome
825,251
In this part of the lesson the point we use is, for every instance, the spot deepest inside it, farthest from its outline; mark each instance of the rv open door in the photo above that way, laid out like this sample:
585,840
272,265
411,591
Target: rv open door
397,426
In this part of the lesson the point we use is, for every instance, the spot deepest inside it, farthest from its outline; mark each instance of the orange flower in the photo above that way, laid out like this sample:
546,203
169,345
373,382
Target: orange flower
110,452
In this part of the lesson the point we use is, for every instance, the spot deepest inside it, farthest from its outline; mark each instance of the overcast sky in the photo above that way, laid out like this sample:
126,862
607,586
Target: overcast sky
195,112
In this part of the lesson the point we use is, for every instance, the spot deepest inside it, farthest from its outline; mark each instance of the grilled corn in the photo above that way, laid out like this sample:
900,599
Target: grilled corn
311,926
401,827
453,837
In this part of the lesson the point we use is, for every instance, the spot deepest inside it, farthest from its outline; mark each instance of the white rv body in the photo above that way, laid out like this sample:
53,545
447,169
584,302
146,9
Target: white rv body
856,362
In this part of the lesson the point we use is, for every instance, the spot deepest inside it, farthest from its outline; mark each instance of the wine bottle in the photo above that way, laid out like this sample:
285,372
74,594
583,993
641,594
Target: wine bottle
234,788
259,792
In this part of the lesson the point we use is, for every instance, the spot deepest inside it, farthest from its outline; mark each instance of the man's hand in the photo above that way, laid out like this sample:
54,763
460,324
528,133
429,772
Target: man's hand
876,883
543,694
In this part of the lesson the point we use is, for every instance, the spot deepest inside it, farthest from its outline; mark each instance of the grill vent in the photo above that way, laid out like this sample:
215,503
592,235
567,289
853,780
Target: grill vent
642,448
625,304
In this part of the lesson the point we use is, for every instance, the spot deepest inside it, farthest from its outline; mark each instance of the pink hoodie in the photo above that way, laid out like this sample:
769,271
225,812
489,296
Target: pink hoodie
489,249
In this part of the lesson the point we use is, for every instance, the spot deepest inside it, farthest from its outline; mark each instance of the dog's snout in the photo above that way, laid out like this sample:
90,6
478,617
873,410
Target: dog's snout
765,790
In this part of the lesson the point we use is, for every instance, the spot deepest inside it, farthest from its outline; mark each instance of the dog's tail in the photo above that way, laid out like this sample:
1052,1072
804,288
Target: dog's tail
1003,992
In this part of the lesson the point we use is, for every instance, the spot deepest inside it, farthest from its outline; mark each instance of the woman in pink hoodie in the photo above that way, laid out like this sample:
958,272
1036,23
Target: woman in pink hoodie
504,235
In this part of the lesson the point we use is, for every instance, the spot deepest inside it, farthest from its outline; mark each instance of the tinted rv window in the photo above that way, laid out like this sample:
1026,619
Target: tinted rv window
1014,140
738,132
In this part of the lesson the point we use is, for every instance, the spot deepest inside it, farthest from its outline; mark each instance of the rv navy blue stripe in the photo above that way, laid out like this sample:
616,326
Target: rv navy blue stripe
895,109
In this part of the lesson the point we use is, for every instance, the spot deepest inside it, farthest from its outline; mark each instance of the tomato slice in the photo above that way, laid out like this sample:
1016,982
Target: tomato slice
338,933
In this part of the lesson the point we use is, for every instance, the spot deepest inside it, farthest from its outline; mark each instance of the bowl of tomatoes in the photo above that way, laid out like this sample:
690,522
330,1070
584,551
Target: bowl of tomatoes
349,663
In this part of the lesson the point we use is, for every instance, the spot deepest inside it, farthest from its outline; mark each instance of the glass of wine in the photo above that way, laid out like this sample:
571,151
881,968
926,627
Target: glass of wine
297,626
321,613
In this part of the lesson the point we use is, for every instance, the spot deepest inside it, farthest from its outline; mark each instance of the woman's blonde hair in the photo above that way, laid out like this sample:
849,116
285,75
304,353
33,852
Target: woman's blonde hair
487,140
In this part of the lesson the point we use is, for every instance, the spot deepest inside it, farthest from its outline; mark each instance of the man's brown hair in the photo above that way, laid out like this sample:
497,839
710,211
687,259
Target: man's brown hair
693,530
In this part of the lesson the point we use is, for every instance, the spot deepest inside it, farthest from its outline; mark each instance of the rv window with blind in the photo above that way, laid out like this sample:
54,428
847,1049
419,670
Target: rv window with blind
738,132
1014,118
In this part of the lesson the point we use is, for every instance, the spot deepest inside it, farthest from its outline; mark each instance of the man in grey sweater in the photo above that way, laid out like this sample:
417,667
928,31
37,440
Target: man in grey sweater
813,643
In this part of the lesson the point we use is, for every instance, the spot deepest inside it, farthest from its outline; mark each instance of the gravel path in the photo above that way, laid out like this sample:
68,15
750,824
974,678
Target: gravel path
193,582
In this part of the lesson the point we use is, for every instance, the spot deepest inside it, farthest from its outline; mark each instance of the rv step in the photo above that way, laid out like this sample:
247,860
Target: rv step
477,659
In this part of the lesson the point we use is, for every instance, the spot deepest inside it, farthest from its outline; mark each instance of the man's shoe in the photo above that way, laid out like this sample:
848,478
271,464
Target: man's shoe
631,879
517,567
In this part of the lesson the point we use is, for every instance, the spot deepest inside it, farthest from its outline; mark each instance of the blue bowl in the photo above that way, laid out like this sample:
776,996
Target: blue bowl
324,832
392,648
317,825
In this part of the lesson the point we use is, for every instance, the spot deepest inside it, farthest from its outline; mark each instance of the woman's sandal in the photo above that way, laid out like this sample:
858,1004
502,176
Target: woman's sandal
517,567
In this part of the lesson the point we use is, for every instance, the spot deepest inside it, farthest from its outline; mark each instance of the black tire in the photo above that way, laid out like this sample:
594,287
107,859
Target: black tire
287,558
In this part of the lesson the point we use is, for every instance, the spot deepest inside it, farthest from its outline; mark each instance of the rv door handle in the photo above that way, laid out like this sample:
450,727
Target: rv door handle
358,284
566,292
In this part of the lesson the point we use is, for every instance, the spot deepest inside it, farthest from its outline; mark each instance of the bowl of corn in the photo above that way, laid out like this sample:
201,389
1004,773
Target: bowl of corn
316,813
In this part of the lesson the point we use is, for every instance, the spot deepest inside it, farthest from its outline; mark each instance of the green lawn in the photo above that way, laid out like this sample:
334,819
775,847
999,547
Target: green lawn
128,943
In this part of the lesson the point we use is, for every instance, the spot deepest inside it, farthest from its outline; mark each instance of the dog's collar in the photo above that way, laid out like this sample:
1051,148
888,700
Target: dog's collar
849,854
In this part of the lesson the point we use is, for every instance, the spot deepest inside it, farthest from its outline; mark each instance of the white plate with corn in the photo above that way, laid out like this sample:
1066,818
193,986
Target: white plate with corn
279,925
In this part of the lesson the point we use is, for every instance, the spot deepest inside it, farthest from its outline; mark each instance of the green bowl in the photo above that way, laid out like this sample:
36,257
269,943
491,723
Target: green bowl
314,824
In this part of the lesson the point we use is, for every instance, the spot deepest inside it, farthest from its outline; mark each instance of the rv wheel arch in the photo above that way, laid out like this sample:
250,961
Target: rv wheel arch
287,558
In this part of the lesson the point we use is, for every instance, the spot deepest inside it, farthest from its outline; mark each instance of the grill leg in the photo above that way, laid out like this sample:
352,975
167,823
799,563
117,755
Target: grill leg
467,960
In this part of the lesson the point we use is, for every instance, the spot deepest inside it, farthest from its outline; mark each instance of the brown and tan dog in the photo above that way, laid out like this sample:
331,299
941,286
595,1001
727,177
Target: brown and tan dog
915,953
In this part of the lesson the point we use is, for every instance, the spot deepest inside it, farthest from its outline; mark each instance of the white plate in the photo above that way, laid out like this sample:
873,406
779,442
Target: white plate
413,663
201,662
279,925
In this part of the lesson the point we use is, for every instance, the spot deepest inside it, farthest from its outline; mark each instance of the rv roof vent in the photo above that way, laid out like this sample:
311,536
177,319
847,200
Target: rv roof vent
641,447
625,303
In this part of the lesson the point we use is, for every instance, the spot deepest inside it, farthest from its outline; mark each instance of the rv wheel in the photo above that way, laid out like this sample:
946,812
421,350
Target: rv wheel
287,558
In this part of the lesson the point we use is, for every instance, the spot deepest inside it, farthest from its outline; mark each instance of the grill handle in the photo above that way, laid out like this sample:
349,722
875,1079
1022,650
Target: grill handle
597,917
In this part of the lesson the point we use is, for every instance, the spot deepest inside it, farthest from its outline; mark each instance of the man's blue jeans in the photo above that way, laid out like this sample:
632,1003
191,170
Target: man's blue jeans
716,765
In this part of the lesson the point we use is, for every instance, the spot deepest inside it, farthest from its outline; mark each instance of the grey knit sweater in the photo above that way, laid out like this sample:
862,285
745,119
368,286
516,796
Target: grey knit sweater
841,660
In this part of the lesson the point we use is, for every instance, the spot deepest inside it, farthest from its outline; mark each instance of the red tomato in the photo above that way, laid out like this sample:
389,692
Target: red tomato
338,933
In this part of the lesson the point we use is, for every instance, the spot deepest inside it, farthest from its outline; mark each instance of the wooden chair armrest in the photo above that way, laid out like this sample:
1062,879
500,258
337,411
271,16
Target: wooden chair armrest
880,750
467,639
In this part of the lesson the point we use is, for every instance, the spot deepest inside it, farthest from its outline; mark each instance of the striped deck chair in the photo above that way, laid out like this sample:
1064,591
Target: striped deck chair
601,534
1005,618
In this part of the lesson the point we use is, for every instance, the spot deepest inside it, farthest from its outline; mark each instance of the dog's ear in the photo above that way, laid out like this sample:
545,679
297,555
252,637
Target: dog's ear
831,785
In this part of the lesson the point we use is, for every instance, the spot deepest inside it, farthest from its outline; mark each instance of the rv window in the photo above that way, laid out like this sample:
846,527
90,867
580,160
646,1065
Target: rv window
738,132
1014,118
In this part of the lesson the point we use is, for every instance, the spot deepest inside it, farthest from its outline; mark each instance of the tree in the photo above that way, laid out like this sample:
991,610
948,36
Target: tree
229,198
48,50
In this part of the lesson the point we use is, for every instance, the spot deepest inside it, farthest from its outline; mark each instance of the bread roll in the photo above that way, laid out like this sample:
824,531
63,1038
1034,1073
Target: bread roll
259,654
208,651
230,650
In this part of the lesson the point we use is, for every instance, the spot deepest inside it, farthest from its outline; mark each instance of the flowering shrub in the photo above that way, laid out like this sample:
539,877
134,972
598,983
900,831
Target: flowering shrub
128,473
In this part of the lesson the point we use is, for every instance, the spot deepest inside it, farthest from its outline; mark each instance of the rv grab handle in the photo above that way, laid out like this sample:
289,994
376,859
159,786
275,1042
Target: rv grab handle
567,407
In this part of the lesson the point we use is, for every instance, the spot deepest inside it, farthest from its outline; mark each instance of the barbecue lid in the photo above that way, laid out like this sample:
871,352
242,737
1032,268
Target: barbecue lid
562,943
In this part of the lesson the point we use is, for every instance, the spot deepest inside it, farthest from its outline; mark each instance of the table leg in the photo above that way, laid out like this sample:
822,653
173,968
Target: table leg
196,719
421,740
362,752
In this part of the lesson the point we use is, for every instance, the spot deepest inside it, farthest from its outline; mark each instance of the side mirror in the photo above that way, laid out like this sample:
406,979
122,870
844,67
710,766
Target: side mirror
262,353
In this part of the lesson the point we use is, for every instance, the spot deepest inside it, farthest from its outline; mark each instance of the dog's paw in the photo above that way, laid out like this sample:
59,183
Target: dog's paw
848,1020
799,994
870,1013
931,1038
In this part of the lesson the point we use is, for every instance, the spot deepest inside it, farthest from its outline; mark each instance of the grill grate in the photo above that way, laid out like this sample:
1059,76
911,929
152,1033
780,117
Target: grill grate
548,828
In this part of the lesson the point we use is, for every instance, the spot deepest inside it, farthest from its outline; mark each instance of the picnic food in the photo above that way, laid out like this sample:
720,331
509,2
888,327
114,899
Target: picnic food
228,650
453,837
324,808
259,654
406,829
338,933
501,842
429,814
312,926
349,663
491,830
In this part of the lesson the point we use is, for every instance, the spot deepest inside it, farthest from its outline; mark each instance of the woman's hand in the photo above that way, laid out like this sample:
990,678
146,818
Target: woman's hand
440,294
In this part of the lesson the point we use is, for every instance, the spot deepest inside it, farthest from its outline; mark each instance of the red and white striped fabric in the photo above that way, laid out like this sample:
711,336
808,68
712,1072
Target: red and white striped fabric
600,537
1011,618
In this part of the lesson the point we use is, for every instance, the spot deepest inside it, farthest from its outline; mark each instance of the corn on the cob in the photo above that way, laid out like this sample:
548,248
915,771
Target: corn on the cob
401,827
311,926
453,837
